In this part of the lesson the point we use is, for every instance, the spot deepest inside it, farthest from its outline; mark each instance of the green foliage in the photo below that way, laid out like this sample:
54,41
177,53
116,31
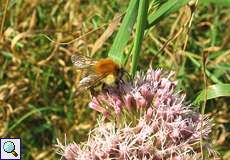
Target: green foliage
123,35
219,2
164,10
214,91
140,29
38,81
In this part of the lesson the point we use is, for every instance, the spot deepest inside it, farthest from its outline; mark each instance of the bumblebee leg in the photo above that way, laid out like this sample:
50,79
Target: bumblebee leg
104,86
93,92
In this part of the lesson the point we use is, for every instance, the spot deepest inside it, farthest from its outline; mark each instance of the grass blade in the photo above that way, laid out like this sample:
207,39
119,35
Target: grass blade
141,25
214,91
225,3
19,121
164,10
122,37
208,73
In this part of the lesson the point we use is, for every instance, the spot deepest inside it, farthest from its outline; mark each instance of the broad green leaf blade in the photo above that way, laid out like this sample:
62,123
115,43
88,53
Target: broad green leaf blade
164,10
214,91
122,37
140,30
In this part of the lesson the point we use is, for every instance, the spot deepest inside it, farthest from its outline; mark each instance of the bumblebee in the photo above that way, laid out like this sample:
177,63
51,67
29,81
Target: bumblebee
103,71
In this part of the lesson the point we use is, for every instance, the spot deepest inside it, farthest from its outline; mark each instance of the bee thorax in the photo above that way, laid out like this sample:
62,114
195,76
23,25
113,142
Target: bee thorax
110,79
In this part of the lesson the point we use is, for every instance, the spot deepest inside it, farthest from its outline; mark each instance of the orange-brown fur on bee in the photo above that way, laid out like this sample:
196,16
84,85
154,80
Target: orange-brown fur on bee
103,71
106,67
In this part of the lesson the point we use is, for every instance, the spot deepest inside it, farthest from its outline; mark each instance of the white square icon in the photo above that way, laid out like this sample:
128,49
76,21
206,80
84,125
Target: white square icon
10,148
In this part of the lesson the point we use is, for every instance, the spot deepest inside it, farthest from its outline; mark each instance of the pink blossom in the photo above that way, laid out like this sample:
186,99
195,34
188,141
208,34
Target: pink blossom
151,121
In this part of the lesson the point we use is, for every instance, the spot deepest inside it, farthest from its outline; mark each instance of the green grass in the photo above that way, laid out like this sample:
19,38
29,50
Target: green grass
38,81
140,30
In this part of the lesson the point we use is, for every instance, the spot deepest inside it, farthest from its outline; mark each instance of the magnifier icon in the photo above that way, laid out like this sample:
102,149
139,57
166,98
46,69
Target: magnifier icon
9,147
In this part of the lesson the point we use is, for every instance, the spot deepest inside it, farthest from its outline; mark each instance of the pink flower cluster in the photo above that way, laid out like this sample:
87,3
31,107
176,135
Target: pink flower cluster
144,93
149,120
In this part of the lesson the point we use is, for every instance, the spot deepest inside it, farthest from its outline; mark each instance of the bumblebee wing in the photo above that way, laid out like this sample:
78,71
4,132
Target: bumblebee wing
82,62
89,81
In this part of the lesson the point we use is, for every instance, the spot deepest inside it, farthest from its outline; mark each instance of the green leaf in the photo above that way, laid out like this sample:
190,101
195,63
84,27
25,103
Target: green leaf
7,55
141,25
122,37
164,10
225,3
214,91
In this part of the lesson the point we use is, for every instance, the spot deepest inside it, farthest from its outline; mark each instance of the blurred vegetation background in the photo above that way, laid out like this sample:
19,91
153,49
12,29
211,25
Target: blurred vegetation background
38,81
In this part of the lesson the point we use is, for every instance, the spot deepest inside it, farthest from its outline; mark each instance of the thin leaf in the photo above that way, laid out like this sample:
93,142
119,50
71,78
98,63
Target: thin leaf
122,37
209,74
225,3
164,10
141,25
214,91
27,115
